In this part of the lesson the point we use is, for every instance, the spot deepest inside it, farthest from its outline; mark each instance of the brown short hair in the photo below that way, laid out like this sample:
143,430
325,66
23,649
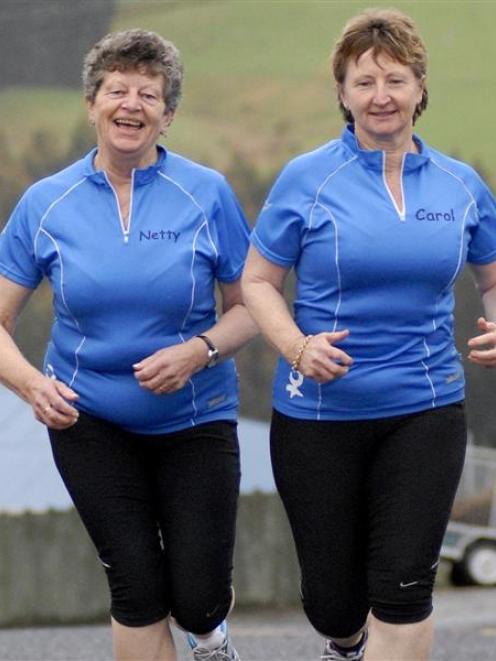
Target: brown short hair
134,49
387,31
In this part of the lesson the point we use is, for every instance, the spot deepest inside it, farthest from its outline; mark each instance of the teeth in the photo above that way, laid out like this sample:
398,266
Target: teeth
128,122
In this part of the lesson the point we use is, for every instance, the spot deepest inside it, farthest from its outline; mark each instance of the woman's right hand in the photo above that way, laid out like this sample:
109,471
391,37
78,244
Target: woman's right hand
51,401
321,360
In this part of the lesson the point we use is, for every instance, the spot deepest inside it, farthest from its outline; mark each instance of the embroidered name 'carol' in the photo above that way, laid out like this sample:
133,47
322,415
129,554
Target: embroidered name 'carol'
448,216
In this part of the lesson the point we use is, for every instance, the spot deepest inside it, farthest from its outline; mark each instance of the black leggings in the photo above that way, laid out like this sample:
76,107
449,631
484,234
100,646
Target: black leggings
368,502
161,512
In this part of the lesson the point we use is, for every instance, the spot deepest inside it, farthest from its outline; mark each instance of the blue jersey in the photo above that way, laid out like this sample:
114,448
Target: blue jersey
122,294
384,273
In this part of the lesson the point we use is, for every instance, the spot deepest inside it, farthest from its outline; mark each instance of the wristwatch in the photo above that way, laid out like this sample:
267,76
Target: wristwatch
213,353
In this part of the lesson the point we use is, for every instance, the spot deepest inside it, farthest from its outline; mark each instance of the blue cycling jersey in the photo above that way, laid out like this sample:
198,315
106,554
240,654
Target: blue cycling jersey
121,294
382,272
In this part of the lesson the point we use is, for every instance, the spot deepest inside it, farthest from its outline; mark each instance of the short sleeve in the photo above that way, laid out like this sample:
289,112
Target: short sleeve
17,256
232,233
482,245
278,231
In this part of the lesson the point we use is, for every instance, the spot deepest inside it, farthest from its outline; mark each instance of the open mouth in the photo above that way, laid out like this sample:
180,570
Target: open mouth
129,123
383,114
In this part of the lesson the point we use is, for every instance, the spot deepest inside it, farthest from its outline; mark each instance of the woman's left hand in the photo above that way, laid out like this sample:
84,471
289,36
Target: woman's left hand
167,370
483,347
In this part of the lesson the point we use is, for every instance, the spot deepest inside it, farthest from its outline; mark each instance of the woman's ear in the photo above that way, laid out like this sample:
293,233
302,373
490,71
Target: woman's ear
340,95
90,110
166,121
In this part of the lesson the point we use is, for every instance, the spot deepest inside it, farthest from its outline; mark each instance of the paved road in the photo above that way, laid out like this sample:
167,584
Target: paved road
465,631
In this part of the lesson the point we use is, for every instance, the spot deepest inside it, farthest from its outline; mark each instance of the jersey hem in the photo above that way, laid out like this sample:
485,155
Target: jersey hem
358,415
231,416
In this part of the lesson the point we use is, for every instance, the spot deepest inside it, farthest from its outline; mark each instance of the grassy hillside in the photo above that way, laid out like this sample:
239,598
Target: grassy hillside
257,78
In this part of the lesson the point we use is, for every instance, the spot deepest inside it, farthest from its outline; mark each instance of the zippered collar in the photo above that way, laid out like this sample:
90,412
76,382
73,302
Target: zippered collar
375,159
141,176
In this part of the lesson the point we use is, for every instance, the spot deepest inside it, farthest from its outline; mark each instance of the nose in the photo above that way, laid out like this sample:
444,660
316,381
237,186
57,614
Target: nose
381,94
131,101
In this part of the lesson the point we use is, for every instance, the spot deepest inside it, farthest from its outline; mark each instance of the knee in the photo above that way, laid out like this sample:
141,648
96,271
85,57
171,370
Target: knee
333,616
202,613
395,600
137,599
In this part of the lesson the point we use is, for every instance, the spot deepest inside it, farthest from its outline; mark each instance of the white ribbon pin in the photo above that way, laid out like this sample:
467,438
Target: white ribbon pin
294,384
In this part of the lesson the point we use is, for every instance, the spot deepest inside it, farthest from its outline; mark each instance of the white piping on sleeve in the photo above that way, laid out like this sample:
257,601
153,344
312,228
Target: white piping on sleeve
324,183
42,230
460,181
59,199
64,301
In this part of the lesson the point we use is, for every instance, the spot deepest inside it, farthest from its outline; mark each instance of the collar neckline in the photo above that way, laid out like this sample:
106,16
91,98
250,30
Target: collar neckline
141,175
374,159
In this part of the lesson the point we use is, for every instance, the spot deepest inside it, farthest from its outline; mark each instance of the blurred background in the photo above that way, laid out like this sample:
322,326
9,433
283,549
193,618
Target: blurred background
257,91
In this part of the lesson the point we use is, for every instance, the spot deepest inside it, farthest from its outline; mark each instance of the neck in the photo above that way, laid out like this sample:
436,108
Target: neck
393,146
119,169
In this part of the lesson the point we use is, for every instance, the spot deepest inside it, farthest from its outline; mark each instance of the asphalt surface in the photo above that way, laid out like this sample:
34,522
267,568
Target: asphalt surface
465,631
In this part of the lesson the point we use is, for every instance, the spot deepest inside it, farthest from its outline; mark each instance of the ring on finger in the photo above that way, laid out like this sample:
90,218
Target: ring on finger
47,408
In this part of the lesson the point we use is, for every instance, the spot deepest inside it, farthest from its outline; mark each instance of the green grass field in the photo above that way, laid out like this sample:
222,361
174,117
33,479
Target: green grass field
257,78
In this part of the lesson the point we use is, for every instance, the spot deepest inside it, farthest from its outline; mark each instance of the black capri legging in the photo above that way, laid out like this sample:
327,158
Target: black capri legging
368,502
161,512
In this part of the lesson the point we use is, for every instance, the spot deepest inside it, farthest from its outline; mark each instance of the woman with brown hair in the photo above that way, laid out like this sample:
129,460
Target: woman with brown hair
368,431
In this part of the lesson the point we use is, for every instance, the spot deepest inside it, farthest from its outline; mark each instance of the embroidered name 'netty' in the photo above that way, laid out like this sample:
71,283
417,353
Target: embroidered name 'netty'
161,235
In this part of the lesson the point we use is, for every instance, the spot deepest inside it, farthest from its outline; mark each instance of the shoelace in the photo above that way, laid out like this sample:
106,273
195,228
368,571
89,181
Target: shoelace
220,654
332,654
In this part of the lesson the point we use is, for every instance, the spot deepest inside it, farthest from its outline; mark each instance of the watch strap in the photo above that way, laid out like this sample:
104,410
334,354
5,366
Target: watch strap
213,352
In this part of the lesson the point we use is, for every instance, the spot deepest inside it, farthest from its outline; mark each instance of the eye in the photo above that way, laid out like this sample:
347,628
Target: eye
396,81
115,93
149,97
363,84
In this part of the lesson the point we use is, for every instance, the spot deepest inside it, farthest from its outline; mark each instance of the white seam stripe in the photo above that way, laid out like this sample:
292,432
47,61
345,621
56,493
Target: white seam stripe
428,376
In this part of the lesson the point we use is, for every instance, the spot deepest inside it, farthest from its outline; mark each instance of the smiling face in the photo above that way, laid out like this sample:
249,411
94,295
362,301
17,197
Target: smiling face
382,95
129,114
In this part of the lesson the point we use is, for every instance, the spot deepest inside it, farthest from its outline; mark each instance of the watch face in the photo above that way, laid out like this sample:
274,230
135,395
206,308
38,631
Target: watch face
213,357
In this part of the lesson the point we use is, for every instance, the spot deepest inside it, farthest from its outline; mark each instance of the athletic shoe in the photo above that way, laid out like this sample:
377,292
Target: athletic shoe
225,652
334,653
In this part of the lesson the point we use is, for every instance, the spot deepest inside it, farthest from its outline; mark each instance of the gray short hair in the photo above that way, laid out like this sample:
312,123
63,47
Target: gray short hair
131,50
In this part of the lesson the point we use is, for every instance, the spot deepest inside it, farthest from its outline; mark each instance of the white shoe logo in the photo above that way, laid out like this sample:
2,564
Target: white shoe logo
294,384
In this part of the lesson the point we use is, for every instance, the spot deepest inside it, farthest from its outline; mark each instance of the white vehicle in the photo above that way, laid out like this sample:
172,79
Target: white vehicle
470,540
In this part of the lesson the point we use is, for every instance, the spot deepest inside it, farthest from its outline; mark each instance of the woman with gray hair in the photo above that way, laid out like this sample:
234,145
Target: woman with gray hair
139,392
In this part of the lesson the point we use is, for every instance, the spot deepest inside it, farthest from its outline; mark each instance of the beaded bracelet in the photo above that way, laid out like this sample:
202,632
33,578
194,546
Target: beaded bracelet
297,359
